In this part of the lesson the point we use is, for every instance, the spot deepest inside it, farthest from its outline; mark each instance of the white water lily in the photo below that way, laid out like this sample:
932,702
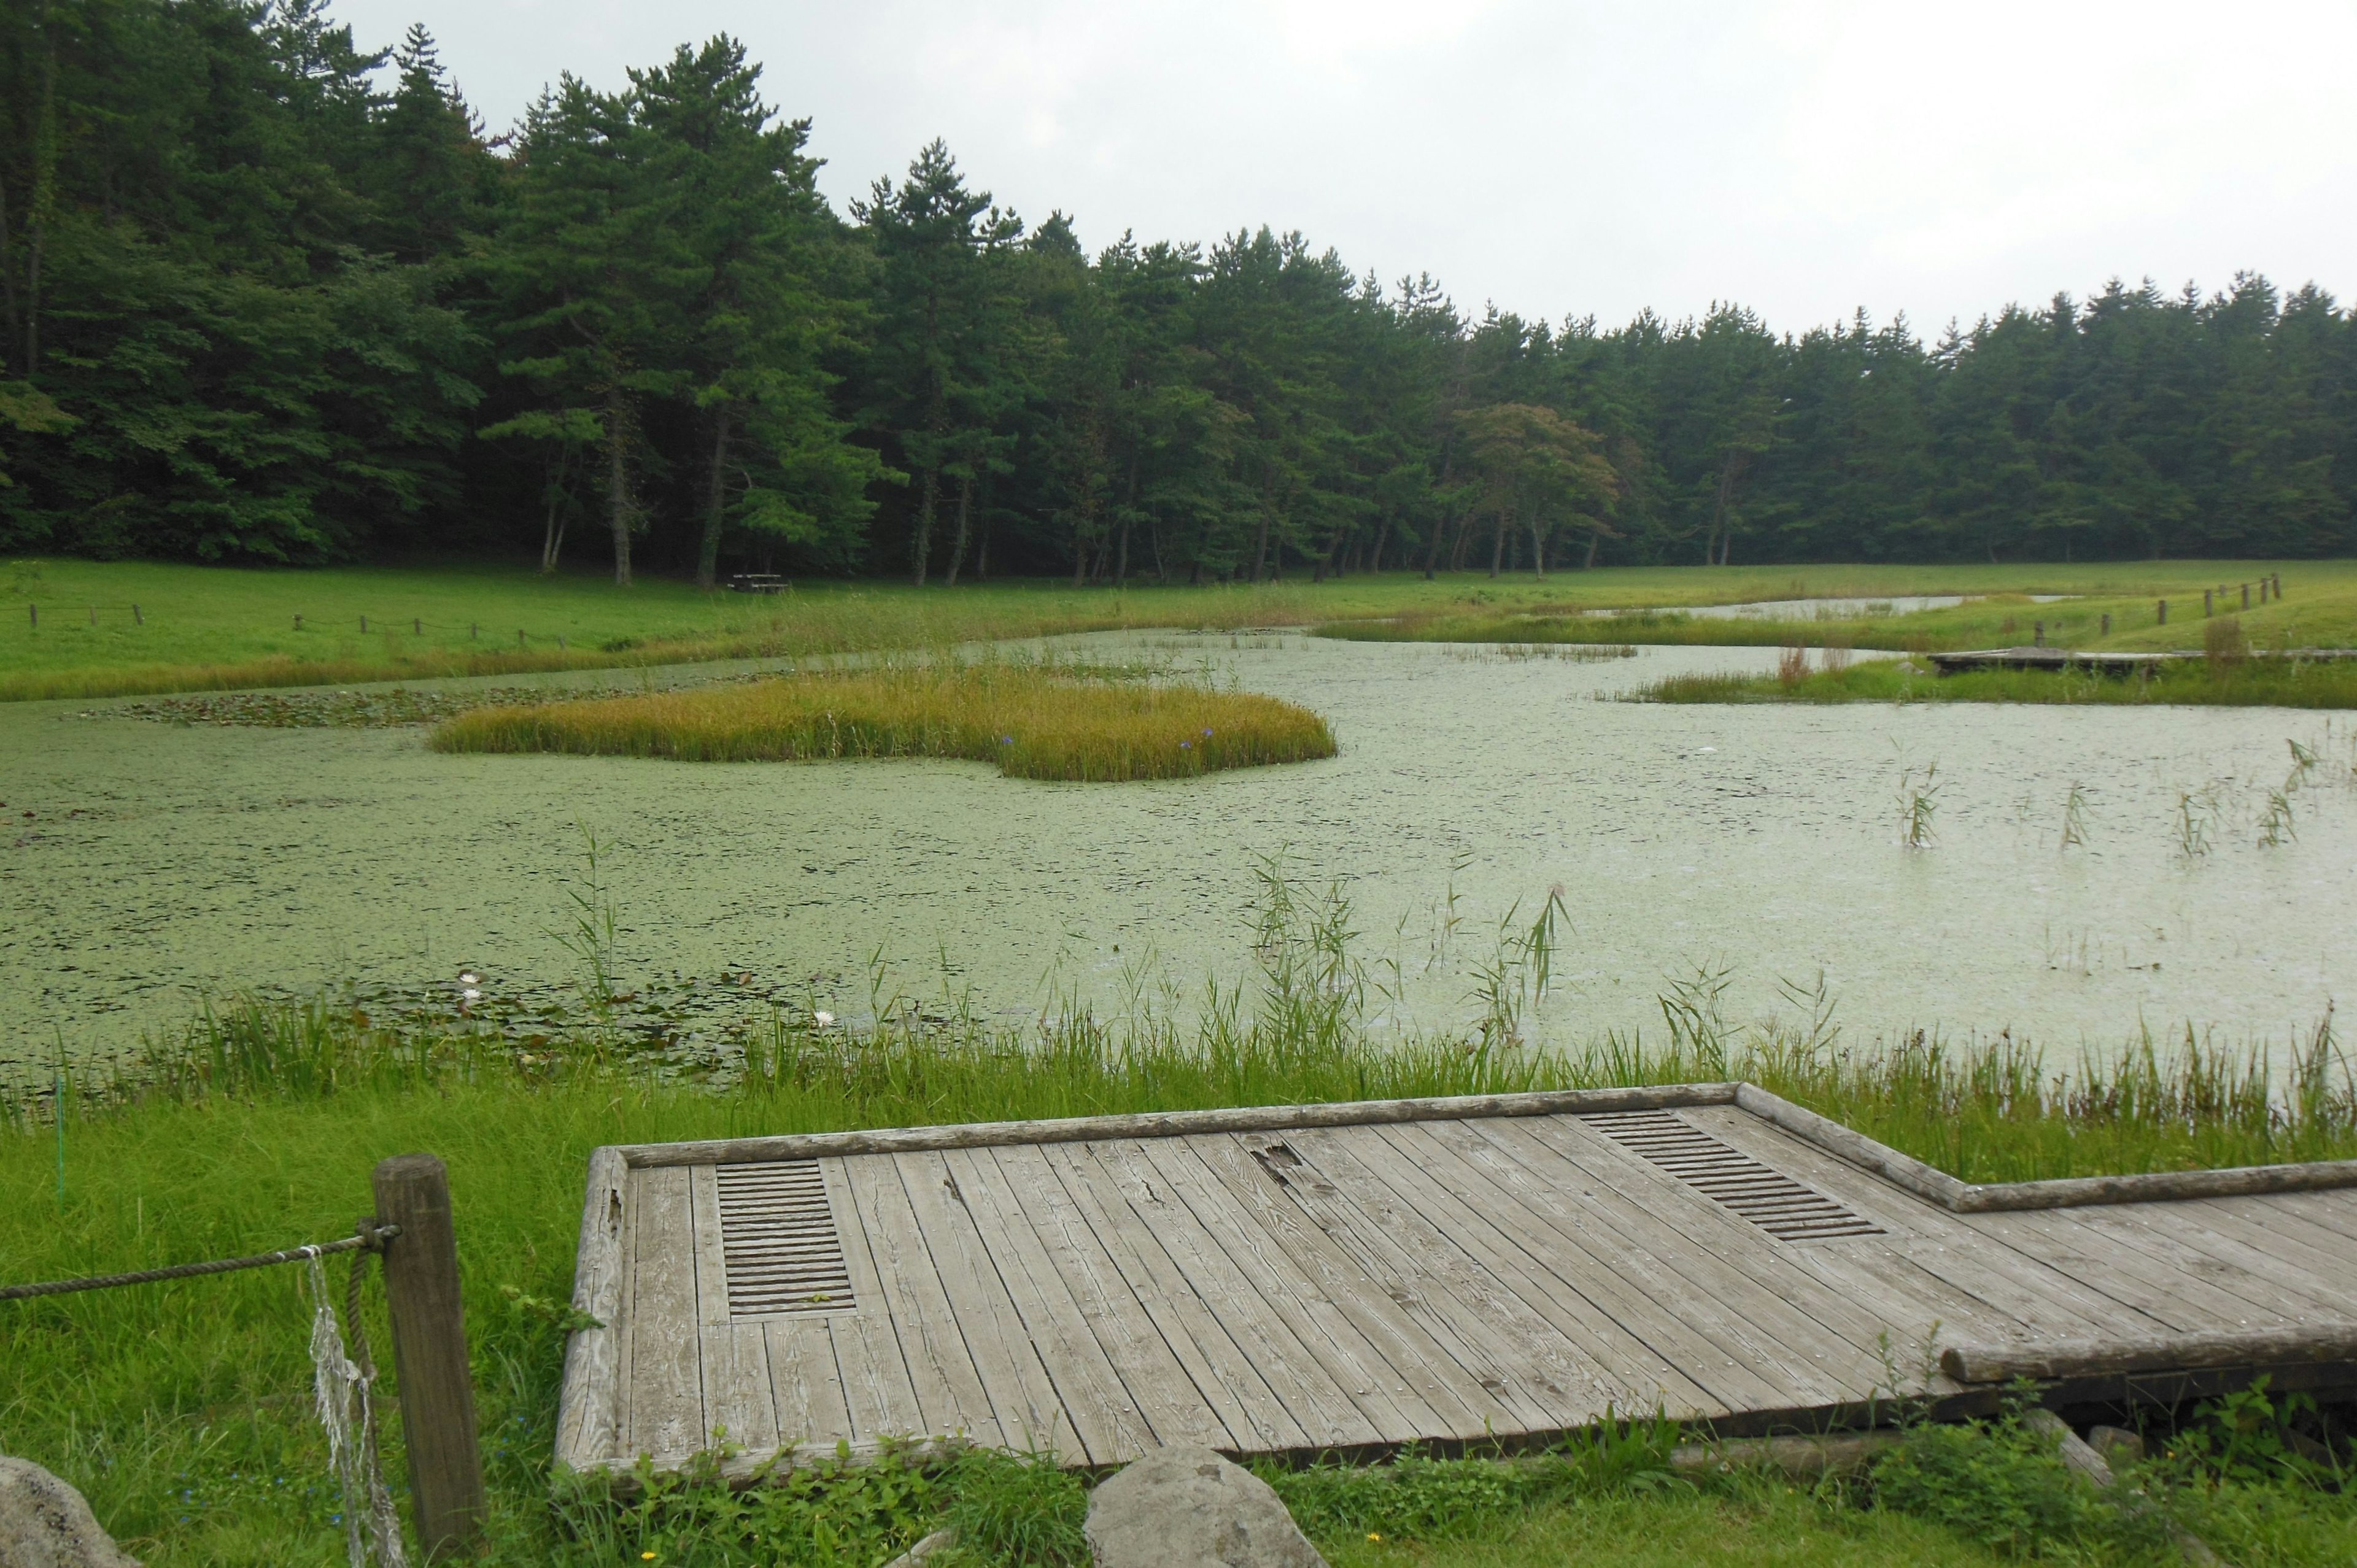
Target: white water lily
470,994
823,1020
470,979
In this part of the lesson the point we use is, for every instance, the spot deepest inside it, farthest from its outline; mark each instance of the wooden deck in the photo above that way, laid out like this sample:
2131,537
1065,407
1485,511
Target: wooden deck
1352,1278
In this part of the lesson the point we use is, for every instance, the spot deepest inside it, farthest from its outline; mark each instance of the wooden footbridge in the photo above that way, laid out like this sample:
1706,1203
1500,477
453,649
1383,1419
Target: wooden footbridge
1351,1278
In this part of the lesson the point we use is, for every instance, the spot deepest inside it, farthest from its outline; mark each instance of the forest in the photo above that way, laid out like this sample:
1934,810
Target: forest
272,296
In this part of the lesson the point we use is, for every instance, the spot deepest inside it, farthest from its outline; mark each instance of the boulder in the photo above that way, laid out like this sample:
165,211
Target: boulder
44,1523
1188,1508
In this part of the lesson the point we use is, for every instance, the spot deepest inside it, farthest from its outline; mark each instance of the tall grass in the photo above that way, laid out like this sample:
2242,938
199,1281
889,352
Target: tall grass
1033,721
2284,683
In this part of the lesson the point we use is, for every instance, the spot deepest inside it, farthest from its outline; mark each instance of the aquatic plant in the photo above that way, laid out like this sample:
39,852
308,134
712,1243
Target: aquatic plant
1918,804
2198,811
2075,817
1032,721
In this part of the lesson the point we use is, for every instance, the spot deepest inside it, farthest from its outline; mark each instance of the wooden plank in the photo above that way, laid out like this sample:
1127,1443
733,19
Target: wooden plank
734,1356
589,1402
1167,1124
1174,1407
1959,1253
2087,1259
2324,1253
1818,1346
1383,1392
1473,1398
2333,1212
666,1378
1474,1289
1094,1387
947,1393
711,1264
2229,1230
1327,1413
806,1380
1221,1370
1610,1290
2175,1243
998,1341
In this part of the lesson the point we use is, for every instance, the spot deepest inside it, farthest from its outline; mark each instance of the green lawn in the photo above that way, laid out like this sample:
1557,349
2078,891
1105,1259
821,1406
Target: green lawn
209,628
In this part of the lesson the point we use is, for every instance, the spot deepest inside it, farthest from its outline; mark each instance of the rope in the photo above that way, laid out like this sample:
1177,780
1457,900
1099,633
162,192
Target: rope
369,1239
341,1389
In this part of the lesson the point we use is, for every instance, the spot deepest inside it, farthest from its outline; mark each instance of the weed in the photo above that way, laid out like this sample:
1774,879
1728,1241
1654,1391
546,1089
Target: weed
1918,804
2075,817
1999,1484
2224,644
2198,811
2276,822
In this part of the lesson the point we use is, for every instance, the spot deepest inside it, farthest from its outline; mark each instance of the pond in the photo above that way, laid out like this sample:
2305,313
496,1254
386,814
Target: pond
149,865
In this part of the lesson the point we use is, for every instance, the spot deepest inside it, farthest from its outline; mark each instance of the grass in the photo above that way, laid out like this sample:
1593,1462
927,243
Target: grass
2325,616
217,627
183,1409
2242,682
1033,721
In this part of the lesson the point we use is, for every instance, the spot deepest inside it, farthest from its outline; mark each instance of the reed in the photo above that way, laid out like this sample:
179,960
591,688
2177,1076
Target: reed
1033,721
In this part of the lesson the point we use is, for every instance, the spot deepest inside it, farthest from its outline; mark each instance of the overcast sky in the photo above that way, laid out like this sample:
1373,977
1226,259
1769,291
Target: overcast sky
1803,158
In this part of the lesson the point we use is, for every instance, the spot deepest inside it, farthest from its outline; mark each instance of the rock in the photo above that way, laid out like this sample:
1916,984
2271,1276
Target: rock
2117,1444
44,1523
1188,1508
939,1541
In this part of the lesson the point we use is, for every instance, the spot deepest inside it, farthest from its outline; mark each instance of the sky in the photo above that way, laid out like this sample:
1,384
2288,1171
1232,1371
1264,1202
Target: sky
1805,159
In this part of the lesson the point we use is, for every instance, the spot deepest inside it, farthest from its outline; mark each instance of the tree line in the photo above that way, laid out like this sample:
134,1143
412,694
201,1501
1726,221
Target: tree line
268,296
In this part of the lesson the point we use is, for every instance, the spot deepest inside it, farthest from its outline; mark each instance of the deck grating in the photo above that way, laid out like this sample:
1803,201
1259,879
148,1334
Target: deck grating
778,1243
1769,1199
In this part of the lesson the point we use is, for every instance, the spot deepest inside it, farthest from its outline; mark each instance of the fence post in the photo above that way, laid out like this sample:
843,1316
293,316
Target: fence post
2164,612
429,1355
137,618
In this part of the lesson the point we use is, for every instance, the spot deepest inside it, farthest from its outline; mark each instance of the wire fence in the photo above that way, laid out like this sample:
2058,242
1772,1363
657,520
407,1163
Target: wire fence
369,625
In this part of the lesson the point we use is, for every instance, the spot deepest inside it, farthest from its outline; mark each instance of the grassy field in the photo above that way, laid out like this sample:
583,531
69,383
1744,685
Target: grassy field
183,1409
2250,682
1032,721
70,627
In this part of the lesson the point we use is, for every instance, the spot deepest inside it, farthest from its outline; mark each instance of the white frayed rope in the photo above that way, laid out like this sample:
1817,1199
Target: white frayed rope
371,1528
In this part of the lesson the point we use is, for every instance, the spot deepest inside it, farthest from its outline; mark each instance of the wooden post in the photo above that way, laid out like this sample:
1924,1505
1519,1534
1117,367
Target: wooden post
298,623
363,623
93,615
2164,612
2246,596
2108,623
519,638
417,627
2208,608
2038,637
429,1355
137,618
35,611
